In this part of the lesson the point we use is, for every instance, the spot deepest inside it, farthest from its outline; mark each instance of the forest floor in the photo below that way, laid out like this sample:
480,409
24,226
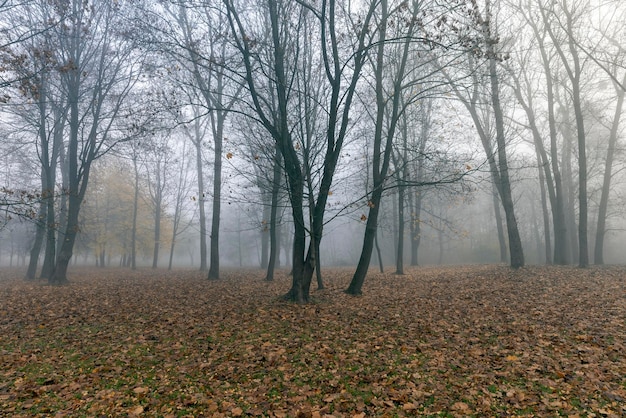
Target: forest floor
455,341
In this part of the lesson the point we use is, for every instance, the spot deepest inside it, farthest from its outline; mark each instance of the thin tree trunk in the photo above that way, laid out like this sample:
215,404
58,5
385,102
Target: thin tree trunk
568,187
557,194
265,229
31,272
380,166
545,213
318,267
416,233
598,253
440,240
516,251
515,242
158,198
371,227
201,202
381,267
400,246
499,223
133,235
218,134
273,221
583,246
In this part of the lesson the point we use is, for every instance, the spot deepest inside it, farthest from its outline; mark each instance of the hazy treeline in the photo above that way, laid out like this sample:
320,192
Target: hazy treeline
279,133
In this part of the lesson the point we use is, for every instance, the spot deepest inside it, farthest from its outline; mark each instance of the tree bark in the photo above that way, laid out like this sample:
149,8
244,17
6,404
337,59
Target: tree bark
217,123
598,253
385,118
400,247
133,236
31,272
273,221
381,267
158,199
516,251
544,210
201,203
556,193
499,223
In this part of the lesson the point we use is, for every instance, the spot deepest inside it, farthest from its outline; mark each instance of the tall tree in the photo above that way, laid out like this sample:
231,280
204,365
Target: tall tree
181,195
561,23
549,159
196,134
390,85
503,183
158,164
97,70
32,61
272,85
612,64
196,36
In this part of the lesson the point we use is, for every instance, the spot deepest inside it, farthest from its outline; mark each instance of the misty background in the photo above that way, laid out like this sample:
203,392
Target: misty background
268,134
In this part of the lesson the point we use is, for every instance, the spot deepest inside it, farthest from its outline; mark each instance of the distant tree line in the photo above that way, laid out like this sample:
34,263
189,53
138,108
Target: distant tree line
310,111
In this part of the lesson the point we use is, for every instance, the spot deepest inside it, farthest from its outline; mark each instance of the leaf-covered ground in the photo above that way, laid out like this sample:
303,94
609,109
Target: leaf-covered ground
458,341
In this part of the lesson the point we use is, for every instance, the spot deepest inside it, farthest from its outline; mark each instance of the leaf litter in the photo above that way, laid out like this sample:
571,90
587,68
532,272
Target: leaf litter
438,341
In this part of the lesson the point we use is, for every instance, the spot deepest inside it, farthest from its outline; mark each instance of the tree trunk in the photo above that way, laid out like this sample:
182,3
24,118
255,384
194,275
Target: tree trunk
48,167
568,187
499,223
133,234
31,272
371,227
51,244
557,194
102,256
172,245
414,225
59,275
201,207
265,229
380,166
598,253
583,247
440,240
157,218
61,225
504,186
302,268
273,221
218,134
400,246
544,211
381,267
76,190
318,267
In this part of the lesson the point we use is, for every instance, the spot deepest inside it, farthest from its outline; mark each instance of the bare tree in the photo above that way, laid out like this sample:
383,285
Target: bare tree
285,38
560,25
402,73
180,219
199,43
97,70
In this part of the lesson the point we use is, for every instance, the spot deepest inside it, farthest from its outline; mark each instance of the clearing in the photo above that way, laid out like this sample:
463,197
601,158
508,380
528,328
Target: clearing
453,341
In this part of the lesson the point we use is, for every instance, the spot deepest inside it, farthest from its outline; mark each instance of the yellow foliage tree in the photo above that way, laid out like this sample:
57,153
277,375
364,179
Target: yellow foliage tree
106,223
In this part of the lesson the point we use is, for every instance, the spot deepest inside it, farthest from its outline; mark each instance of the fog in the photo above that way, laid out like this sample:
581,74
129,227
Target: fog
178,135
